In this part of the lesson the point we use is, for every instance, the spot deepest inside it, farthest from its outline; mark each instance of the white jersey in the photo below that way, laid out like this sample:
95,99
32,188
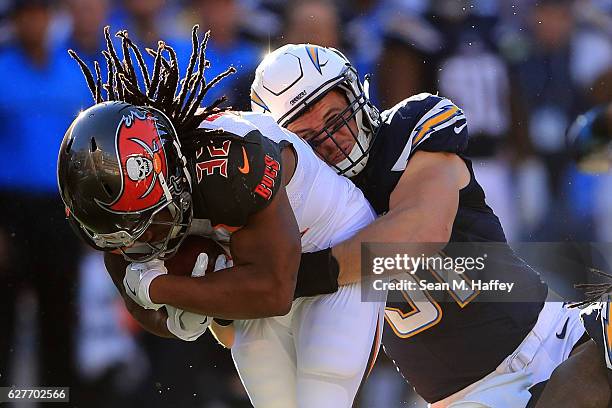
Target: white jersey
308,357
328,207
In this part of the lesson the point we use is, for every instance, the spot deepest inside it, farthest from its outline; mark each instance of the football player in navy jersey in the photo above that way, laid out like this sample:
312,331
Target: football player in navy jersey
409,163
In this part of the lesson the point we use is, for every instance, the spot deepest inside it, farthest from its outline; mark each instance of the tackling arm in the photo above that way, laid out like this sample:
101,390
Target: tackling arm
422,209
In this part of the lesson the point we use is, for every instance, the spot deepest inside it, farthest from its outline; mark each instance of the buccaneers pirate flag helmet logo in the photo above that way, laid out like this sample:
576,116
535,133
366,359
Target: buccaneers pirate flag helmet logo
142,164
119,167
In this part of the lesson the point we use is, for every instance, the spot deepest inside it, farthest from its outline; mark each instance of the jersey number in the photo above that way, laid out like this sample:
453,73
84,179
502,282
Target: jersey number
422,311
219,156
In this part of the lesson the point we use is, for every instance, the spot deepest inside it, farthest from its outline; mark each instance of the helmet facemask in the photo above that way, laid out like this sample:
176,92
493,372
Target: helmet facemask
359,107
355,160
180,210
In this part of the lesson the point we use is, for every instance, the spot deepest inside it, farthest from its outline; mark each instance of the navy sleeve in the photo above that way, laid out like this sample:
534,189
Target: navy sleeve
441,127
430,123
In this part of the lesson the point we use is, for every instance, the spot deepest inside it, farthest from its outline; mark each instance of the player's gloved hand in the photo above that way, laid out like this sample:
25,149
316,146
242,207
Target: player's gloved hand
186,325
138,278
223,262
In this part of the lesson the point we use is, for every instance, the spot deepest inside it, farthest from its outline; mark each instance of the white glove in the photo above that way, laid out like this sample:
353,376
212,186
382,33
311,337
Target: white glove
185,325
138,278
223,262
199,269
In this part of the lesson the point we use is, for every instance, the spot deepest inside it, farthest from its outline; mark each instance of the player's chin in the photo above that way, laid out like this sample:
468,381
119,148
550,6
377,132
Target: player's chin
342,153
338,156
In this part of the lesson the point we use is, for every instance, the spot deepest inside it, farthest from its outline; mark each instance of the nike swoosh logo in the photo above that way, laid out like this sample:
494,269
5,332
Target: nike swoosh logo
245,168
131,290
561,335
460,128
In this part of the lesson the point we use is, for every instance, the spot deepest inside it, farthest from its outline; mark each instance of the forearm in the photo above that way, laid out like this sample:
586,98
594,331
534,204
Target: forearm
151,320
402,225
422,209
238,292
260,284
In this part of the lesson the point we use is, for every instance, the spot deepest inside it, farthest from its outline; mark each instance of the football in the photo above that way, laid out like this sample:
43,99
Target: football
183,261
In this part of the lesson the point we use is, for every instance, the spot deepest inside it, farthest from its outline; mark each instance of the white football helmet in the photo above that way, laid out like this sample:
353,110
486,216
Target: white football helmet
294,77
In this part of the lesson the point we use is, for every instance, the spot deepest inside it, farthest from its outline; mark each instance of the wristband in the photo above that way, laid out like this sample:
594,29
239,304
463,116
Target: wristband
145,283
318,274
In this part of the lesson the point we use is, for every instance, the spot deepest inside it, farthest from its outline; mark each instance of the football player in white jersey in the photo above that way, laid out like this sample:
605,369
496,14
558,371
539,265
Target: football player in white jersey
322,352
144,169
409,162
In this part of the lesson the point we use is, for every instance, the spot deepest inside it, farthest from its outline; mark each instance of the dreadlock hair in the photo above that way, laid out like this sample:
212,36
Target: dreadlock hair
594,292
164,90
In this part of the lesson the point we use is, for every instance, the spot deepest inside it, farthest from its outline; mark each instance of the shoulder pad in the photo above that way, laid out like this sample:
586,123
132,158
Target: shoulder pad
434,122
235,176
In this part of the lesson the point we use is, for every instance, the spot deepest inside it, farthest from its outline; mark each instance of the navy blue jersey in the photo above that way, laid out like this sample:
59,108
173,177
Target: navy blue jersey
454,342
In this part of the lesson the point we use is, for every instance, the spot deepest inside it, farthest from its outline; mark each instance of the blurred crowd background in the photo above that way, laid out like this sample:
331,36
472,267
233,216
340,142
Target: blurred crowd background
522,71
